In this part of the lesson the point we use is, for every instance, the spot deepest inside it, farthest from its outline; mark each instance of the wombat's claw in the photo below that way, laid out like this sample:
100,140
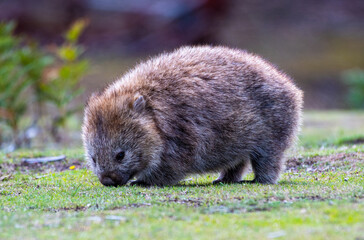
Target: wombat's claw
139,183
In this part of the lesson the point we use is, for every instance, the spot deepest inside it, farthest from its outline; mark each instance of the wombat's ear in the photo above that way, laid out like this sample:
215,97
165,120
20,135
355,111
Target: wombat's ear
138,103
91,98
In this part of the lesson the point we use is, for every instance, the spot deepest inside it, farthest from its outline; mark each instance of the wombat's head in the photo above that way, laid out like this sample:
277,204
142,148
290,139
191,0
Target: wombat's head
120,137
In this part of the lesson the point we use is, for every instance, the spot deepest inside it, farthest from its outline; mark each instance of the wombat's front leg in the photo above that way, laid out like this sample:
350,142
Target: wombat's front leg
232,175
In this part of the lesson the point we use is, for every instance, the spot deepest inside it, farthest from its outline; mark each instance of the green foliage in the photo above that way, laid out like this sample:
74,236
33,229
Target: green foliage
73,34
20,68
355,81
62,86
31,75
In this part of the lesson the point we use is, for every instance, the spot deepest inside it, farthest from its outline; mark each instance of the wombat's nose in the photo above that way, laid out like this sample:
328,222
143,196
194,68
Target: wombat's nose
106,181
114,179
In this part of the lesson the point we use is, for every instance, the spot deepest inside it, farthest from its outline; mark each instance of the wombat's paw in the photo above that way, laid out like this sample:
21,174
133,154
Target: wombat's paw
139,183
217,181
225,181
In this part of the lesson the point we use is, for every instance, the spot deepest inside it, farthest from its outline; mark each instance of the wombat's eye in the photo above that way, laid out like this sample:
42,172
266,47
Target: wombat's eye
120,156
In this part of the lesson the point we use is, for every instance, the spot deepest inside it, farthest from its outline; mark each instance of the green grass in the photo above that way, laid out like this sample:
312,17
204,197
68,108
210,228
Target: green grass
319,196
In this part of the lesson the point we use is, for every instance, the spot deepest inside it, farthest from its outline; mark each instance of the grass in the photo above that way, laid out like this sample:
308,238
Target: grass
319,196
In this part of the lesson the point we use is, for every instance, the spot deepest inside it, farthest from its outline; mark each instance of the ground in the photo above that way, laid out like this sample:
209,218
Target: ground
320,196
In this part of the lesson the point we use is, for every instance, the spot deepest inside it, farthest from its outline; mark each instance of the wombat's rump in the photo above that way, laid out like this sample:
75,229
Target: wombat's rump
195,110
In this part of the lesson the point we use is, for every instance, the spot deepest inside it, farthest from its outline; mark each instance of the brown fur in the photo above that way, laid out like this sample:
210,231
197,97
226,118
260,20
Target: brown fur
195,110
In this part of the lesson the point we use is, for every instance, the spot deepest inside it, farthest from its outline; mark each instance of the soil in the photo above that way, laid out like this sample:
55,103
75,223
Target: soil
326,163
24,167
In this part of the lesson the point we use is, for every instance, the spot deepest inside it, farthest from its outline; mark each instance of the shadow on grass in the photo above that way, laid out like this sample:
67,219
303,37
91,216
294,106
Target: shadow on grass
288,182
246,182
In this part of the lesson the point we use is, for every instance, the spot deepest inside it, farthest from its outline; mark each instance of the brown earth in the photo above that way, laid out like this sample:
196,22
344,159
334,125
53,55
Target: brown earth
326,163
27,168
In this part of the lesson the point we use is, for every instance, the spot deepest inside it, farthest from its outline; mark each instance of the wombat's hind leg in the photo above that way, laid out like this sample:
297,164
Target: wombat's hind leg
232,175
266,168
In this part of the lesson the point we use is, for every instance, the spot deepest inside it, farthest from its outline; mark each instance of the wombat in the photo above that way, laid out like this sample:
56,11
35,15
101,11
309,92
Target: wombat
192,111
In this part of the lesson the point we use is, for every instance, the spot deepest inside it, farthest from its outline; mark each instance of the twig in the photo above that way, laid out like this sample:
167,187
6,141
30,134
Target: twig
44,159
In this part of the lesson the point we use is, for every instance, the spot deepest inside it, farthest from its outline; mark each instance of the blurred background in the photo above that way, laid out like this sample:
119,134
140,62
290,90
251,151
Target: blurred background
320,44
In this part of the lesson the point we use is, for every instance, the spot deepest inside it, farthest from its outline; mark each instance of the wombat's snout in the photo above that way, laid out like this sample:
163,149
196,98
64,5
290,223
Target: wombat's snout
113,179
